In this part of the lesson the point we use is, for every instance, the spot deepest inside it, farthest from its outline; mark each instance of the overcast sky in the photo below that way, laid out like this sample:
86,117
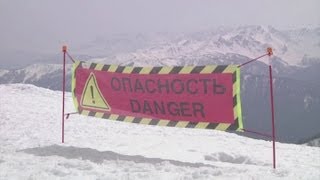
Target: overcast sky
35,25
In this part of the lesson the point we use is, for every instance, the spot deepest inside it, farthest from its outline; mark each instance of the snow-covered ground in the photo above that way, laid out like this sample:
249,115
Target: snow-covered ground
31,148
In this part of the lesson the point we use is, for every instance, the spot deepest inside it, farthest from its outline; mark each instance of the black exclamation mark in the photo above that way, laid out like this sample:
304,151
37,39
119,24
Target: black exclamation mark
91,88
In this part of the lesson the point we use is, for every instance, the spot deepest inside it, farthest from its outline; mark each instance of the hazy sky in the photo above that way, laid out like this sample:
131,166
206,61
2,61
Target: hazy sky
36,25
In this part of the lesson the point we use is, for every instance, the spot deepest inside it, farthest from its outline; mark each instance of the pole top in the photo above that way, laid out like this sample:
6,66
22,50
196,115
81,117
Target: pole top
64,48
269,51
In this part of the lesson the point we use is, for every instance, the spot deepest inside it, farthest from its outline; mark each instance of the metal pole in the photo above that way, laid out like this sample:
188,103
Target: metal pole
64,50
272,109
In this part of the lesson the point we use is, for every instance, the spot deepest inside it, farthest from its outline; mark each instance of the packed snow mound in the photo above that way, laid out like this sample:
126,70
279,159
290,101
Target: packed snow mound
30,146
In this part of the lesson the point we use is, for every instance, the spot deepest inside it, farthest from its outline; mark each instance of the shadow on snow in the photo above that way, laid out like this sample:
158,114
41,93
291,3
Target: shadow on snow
95,156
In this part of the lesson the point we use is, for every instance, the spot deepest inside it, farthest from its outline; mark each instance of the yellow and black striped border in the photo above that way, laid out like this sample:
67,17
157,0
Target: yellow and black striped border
209,69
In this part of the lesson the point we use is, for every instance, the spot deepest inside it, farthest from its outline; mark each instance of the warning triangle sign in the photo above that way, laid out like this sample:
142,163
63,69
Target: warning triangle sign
92,96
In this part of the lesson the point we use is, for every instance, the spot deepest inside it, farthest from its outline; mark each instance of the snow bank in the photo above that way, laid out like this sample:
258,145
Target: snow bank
30,147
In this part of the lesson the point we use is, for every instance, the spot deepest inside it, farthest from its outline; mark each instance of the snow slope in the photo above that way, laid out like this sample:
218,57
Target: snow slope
31,148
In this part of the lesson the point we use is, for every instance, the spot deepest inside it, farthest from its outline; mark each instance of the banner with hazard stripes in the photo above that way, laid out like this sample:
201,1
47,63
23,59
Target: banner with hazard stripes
205,97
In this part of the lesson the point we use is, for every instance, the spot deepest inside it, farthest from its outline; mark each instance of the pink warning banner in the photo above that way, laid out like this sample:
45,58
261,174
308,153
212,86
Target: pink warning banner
203,94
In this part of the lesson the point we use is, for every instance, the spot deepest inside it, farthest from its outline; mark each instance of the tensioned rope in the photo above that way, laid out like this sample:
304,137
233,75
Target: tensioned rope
269,53
70,57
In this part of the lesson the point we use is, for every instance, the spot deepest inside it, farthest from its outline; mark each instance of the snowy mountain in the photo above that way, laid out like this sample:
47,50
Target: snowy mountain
42,75
314,142
30,139
291,46
296,64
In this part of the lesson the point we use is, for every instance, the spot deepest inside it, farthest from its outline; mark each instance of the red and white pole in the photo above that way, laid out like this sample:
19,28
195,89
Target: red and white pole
64,50
272,109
